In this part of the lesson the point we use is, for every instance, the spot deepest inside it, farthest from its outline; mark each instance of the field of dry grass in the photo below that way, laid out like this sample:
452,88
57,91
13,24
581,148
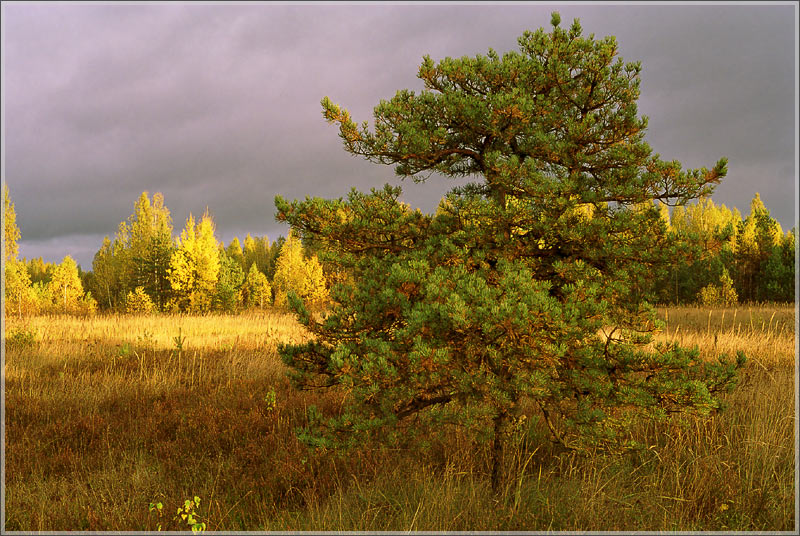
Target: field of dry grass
107,414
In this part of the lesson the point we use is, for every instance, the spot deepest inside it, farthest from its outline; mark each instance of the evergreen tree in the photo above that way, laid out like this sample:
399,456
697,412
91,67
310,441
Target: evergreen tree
229,283
463,316
756,237
777,277
139,256
256,250
106,285
272,257
38,270
708,233
151,248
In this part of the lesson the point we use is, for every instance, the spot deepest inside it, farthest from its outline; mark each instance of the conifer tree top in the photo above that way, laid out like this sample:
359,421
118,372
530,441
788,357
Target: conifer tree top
559,116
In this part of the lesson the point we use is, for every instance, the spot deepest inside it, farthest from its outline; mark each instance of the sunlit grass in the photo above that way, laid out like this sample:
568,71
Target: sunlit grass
109,413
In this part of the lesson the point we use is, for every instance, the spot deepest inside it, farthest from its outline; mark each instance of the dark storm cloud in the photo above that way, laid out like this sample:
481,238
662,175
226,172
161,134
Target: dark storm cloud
218,105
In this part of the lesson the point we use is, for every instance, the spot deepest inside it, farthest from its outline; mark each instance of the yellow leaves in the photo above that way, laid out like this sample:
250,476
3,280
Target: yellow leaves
295,273
194,267
138,302
10,230
65,286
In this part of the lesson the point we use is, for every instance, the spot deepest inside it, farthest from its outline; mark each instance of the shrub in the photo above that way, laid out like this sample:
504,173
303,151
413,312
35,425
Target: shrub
723,294
139,302
21,338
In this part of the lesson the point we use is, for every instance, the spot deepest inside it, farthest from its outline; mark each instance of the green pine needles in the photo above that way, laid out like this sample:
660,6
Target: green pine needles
529,286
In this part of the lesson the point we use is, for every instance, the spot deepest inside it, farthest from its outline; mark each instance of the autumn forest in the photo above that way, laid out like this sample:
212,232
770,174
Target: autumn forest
145,268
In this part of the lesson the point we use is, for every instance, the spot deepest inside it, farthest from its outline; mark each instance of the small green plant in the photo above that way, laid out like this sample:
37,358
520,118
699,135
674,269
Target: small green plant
179,341
270,401
22,338
157,507
188,514
124,350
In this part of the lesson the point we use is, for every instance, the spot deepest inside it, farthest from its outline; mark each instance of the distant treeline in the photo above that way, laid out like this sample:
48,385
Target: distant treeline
144,268
735,260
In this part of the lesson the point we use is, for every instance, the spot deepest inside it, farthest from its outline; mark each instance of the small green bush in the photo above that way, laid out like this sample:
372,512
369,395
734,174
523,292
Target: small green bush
21,338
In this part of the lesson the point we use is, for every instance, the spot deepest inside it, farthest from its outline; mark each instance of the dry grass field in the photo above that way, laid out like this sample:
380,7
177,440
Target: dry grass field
105,415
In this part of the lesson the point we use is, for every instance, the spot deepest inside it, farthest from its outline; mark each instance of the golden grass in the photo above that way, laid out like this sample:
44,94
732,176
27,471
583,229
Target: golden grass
105,414
765,333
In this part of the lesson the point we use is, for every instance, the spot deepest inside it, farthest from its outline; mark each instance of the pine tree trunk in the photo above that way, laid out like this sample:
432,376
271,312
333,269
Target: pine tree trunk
498,451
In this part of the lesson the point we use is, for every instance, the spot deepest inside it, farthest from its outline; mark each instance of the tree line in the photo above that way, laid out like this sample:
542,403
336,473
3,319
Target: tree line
144,269
734,259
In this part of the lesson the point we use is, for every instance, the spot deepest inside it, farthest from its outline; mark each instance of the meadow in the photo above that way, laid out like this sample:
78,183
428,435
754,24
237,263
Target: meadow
106,417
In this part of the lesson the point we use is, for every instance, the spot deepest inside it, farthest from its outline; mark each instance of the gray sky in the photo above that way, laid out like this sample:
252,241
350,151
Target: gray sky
218,105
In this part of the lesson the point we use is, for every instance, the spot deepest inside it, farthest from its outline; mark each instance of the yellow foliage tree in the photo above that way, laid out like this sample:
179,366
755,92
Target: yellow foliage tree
10,230
20,296
258,292
719,295
65,287
293,272
138,302
194,267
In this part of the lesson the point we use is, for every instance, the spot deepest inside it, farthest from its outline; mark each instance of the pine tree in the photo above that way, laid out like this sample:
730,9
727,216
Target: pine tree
38,270
272,257
494,305
777,276
707,233
150,247
756,237
229,283
106,283
139,256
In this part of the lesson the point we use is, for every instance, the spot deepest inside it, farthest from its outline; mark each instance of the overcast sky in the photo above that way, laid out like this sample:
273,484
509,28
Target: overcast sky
218,105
